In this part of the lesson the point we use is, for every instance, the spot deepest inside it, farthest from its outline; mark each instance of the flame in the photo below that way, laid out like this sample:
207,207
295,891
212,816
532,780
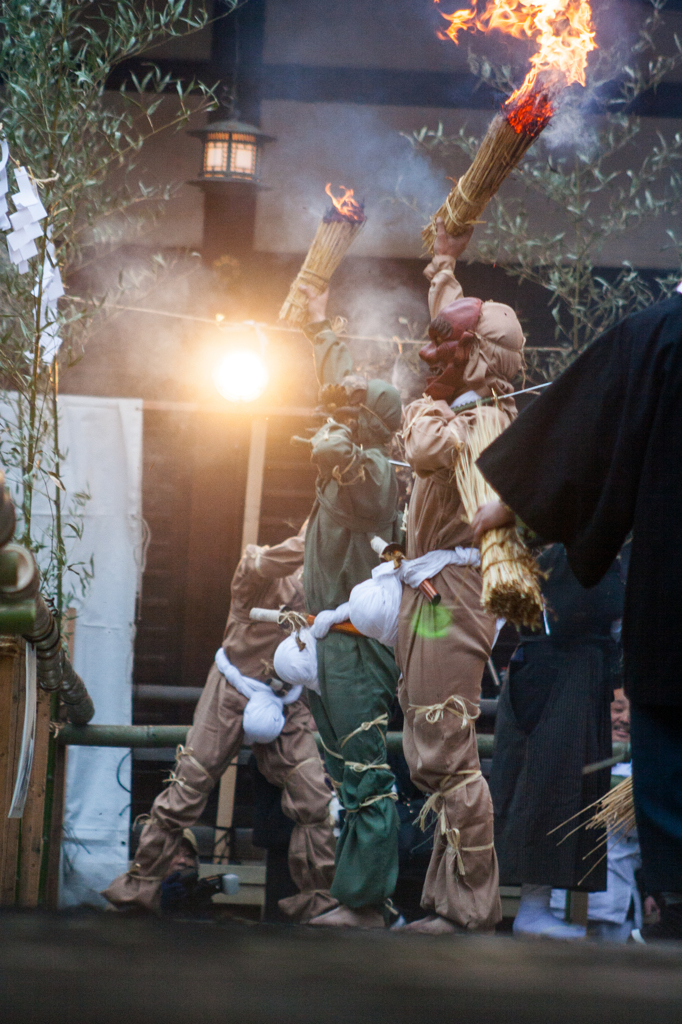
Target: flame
564,34
346,206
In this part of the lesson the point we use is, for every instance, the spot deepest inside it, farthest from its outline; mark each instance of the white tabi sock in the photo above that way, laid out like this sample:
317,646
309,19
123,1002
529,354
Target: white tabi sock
535,918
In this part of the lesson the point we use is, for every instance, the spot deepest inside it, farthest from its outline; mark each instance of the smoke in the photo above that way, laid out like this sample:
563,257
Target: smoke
162,356
355,146
377,302
570,129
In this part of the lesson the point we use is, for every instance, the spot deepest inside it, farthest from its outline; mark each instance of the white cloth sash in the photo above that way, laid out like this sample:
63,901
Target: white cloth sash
414,571
374,605
264,714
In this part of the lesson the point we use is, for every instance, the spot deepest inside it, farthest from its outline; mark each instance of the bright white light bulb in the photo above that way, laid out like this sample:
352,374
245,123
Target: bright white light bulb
242,376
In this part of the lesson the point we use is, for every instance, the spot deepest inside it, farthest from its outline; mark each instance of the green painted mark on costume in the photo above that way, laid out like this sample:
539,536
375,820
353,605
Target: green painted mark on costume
432,621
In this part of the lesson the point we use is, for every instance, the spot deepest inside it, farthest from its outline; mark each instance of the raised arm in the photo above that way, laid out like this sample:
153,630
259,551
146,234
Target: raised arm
434,435
444,286
272,563
333,449
333,361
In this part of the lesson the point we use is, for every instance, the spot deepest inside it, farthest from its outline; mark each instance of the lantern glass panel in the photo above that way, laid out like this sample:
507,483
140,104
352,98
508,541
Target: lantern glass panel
216,154
243,155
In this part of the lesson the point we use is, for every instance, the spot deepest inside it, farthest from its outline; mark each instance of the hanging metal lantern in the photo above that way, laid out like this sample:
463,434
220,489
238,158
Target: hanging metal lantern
232,151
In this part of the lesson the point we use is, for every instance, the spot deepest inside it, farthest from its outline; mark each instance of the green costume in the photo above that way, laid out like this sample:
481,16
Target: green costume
356,498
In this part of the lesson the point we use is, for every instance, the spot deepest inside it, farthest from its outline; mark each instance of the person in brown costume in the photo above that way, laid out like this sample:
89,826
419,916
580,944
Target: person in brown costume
266,578
476,351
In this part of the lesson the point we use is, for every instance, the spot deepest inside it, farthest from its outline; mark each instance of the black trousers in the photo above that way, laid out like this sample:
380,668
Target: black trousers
656,737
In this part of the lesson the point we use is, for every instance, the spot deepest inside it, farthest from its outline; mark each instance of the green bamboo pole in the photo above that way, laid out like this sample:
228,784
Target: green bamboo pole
171,735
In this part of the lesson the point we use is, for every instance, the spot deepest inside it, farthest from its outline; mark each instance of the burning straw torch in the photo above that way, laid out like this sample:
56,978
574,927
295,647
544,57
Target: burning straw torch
336,231
564,33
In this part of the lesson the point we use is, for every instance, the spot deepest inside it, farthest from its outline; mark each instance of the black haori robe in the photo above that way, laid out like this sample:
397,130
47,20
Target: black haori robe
553,719
600,454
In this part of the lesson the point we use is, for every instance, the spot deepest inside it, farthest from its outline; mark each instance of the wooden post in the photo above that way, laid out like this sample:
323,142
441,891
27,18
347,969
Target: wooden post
32,821
252,505
12,693
53,823
254,481
55,826
222,846
579,906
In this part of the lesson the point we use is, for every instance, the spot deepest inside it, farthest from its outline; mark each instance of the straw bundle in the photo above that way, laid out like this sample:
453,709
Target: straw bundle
615,816
616,811
510,573
500,151
330,244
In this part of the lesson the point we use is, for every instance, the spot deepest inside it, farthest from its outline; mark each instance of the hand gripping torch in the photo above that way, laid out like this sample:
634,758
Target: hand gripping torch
395,553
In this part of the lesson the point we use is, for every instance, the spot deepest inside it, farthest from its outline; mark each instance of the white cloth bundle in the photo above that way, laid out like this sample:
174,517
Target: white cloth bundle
295,666
374,604
264,714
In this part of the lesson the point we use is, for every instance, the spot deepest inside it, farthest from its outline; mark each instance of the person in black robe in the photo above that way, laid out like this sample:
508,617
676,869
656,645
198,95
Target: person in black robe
553,720
597,455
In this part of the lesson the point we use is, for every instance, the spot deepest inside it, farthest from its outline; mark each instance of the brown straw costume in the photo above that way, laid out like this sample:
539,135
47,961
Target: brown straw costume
266,578
442,651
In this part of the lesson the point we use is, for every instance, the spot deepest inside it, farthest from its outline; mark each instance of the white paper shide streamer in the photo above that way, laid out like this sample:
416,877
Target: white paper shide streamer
24,229
5,223
52,290
21,241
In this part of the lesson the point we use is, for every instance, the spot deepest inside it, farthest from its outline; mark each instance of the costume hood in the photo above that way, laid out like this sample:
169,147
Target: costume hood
496,355
380,414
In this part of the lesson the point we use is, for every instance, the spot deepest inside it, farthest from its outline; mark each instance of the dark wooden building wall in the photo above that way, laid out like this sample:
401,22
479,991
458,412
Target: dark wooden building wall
194,479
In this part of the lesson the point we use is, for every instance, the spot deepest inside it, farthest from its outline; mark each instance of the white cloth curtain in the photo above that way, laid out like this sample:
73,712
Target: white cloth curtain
102,438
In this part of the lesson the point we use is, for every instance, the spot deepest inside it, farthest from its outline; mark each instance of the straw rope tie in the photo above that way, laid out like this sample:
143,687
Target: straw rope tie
338,474
132,873
188,753
294,620
365,727
465,197
314,279
359,766
174,778
332,753
436,803
372,800
454,841
308,760
457,706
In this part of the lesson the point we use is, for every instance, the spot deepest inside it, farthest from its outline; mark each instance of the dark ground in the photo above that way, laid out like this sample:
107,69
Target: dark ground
102,969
